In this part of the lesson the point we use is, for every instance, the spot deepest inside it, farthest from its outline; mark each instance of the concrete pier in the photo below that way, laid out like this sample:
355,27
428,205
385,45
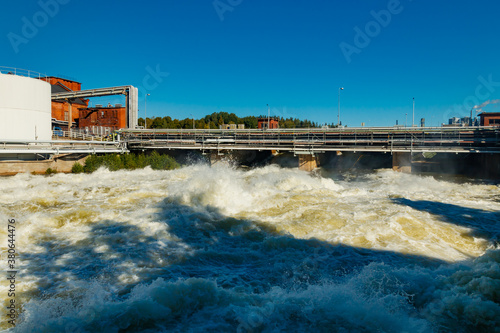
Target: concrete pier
308,162
401,162
216,157
491,166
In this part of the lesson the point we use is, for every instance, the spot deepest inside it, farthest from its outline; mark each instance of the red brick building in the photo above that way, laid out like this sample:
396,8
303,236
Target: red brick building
112,117
490,118
60,109
96,120
273,123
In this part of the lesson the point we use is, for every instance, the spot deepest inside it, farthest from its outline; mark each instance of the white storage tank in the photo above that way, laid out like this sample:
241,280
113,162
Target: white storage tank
25,108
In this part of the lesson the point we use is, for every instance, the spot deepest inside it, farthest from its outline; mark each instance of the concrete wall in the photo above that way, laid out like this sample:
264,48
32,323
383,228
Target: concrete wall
58,163
25,108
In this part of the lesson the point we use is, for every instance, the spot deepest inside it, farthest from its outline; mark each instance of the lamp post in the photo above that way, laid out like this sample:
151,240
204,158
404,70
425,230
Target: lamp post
268,115
406,117
338,114
413,116
193,119
145,111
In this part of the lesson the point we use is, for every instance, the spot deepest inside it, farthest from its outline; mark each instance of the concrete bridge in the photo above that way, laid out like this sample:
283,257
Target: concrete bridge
401,142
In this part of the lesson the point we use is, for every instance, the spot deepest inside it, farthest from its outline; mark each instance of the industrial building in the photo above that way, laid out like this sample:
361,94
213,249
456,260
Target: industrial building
232,126
490,118
34,106
61,110
96,120
110,117
262,123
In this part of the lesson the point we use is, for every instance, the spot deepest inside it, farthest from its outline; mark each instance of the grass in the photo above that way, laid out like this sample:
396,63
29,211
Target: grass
115,162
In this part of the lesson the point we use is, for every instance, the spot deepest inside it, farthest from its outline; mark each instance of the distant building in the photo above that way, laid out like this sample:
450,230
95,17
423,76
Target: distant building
490,118
464,121
232,126
273,123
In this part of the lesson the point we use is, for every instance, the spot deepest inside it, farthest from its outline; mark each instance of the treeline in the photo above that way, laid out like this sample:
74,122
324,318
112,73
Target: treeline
215,119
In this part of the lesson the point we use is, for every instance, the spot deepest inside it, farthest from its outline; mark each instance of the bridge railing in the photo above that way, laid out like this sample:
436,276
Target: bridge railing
78,134
63,146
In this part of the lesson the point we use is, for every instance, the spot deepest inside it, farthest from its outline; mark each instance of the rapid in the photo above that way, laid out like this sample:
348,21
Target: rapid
221,249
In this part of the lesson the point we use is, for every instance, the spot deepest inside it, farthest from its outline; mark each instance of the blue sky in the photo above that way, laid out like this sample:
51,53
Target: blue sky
196,57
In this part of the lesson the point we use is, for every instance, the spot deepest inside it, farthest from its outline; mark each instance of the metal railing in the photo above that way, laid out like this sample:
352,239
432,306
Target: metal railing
81,135
22,72
60,147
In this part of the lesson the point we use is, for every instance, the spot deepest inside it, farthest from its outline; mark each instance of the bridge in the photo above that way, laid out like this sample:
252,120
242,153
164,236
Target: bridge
401,142
374,139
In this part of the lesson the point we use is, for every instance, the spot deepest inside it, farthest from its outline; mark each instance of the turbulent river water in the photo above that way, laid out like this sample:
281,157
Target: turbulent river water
219,249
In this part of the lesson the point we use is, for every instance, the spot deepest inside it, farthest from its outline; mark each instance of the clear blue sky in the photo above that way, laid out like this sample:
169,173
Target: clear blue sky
239,55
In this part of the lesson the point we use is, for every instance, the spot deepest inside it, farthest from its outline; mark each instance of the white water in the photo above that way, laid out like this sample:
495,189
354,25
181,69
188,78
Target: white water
219,249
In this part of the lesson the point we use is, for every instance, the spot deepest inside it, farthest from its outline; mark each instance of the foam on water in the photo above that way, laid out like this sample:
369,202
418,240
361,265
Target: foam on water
221,249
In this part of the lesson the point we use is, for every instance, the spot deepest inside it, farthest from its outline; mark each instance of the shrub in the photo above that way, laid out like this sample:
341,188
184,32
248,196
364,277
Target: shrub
115,162
77,168
112,161
142,162
162,162
129,161
50,171
91,164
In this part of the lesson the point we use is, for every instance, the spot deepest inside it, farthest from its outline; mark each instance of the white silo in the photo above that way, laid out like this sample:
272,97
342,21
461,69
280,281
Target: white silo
25,108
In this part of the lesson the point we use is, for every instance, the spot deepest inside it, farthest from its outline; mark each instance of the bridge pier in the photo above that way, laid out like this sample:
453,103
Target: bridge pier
216,157
490,166
401,162
308,162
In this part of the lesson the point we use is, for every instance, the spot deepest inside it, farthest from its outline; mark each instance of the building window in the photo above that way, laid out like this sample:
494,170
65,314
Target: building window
66,116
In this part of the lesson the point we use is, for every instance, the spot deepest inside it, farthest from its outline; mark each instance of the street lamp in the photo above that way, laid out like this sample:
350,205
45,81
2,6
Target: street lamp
338,114
413,116
406,117
193,119
268,115
145,114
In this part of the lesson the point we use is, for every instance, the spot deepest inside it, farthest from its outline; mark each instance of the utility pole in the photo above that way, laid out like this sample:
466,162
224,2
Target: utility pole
268,115
145,111
338,114
413,119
